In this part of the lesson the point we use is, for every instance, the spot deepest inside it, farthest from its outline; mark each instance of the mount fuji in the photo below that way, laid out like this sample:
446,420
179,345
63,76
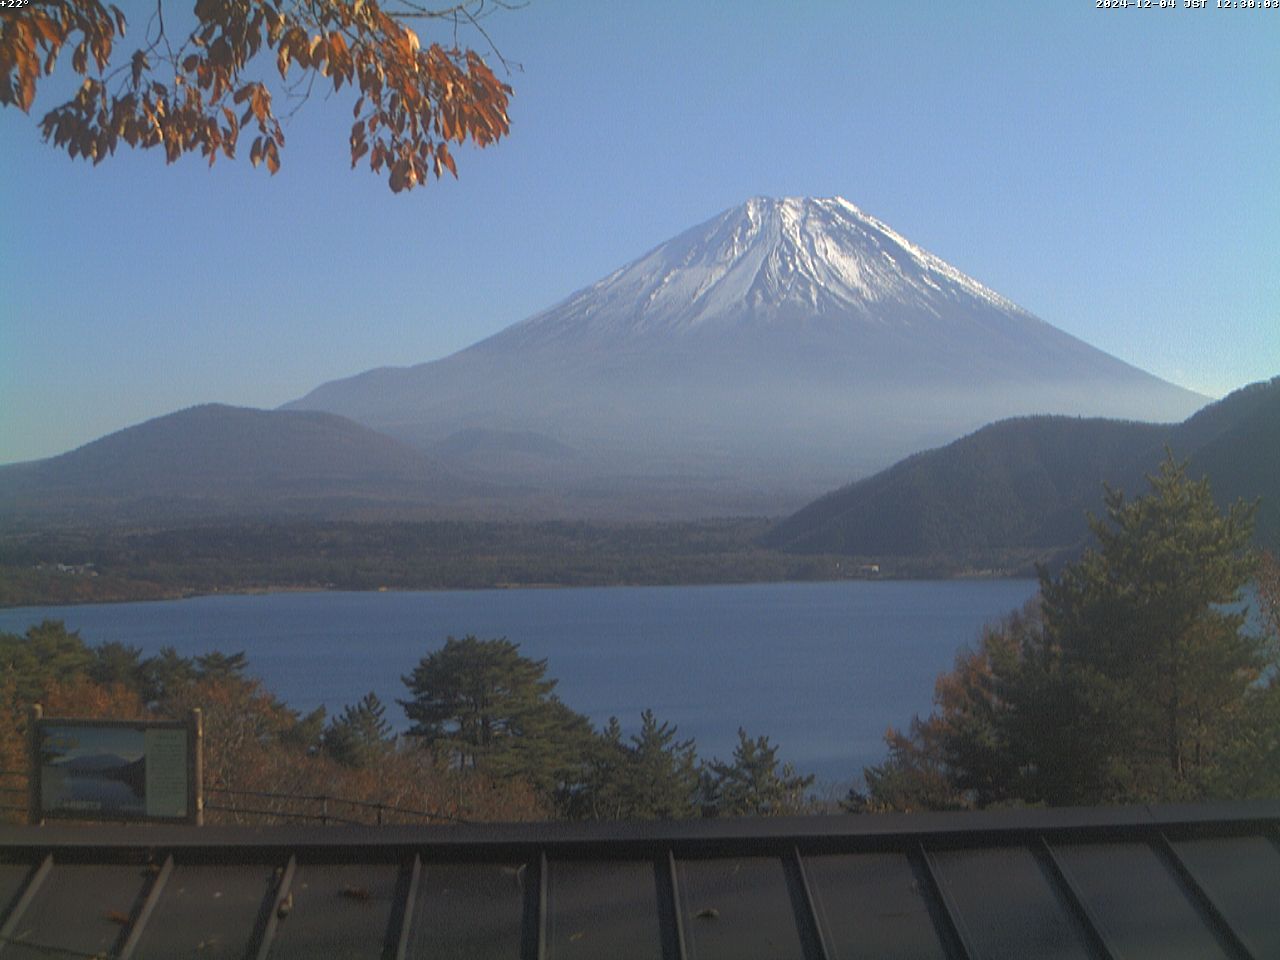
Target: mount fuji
781,348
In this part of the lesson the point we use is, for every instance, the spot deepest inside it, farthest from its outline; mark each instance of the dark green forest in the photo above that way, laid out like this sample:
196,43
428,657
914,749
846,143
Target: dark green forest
141,564
1029,483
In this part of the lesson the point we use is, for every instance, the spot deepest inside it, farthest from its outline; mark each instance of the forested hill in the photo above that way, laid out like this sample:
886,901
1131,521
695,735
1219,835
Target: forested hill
1236,443
1003,486
1027,483
211,459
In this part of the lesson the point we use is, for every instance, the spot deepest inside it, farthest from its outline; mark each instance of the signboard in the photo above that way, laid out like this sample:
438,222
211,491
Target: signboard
116,770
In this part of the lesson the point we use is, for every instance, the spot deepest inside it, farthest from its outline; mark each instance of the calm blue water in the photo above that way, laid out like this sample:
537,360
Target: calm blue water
821,668
93,793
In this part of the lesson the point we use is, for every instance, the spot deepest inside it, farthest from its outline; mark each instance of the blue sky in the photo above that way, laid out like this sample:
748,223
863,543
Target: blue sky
1112,171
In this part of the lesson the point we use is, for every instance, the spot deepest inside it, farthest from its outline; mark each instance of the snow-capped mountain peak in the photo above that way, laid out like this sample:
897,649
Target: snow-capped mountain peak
780,348
768,262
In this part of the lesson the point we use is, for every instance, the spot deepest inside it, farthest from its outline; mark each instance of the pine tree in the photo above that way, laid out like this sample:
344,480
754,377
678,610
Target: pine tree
483,706
1133,678
653,776
163,675
47,651
221,666
914,777
664,772
1153,660
360,735
1269,593
752,784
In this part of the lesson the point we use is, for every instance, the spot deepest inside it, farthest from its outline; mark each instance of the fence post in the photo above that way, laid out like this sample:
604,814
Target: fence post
197,767
33,775
324,809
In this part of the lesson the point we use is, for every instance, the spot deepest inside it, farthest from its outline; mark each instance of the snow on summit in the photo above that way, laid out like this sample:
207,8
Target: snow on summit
765,260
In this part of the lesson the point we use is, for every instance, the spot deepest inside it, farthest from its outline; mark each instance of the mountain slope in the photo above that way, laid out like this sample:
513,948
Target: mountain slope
774,350
219,459
995,488
1027,483
1236,444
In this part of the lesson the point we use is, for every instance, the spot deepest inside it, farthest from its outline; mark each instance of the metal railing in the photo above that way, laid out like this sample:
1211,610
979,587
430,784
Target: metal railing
325,809
322,808
8,792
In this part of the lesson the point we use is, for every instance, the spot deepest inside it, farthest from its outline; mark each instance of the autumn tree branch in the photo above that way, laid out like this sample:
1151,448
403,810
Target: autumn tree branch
411,101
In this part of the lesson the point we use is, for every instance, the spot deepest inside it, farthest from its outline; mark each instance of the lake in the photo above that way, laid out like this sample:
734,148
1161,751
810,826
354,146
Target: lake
821,668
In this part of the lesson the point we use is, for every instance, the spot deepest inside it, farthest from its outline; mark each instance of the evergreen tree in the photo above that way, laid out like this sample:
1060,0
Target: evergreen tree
654,776
664,781
165,674
914,777
217,665
307,733
752,784
1269,594
360,735
484,706
966,753
117,663
47,651
1152,663
1249,764
1133,678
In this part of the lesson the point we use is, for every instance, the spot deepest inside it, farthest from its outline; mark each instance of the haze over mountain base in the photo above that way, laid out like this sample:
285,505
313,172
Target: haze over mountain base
998,502
776,351
757,361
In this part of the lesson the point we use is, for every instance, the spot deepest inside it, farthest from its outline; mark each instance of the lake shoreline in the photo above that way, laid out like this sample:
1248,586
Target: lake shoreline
820,668
147,596
100,565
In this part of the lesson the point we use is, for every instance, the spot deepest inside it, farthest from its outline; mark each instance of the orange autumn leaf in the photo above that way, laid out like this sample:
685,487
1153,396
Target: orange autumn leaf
410,98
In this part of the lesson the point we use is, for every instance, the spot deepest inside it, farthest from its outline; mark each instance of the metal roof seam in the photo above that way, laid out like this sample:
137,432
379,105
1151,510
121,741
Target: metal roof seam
30,889
956,935
1069,889
534,941
279,903
406,915
806,908
1201,898
677,920
139,925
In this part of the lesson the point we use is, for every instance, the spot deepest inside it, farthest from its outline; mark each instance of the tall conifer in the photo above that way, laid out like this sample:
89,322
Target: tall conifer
1150,647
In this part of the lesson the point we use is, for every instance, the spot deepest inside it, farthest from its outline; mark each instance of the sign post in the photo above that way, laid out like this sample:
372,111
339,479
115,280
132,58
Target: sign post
116,770
33,780
197,767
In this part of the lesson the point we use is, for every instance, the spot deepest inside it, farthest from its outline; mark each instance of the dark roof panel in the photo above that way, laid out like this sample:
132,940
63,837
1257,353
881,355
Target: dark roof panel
347,907
1005,905
208,910
1241,878
77,908
1136,882
603,909
738,909
469,910
1141,908
13,880
874,906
